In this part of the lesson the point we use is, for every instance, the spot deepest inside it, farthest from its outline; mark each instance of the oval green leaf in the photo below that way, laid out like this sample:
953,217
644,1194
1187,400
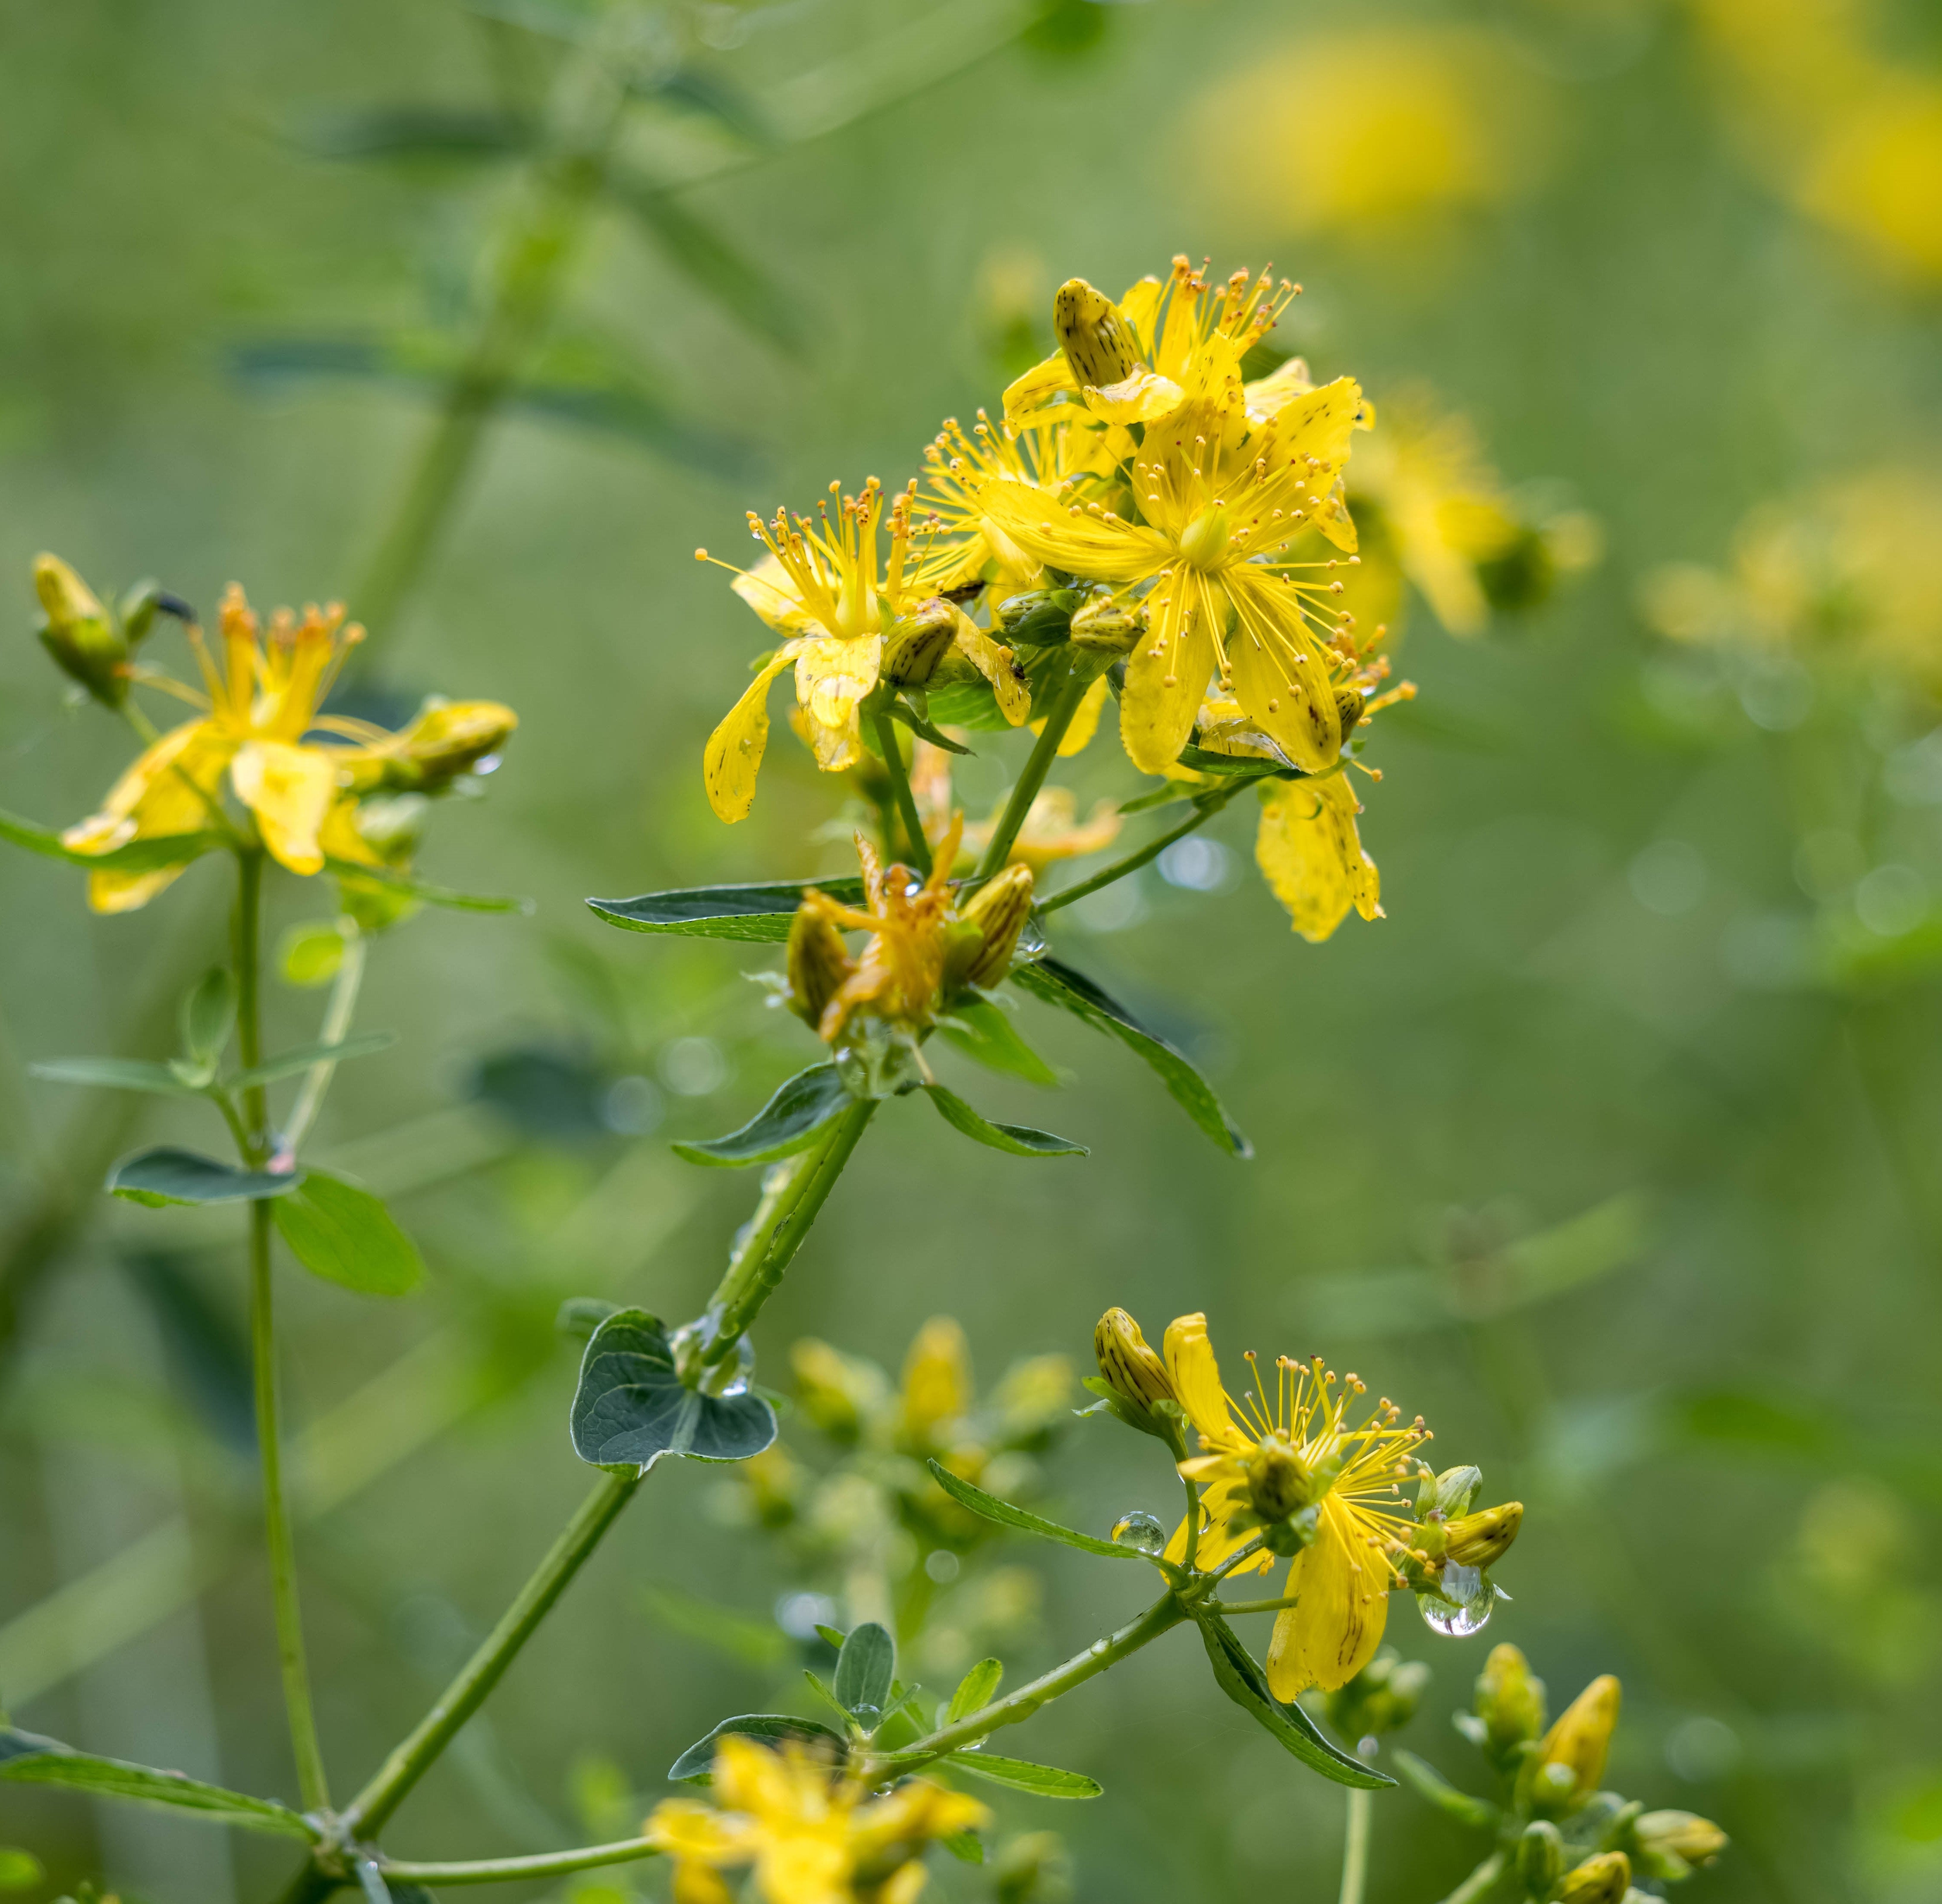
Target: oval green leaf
167,1175
346,1235
975,1690
1014,1140
287,1064
1478,1814
26,1759
138,856
631,1407
865,1669
1021,1775
756,914
694,1765
787,1124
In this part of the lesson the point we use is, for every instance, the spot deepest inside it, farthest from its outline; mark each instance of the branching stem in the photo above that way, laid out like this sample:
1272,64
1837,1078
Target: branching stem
493,1870
1205,808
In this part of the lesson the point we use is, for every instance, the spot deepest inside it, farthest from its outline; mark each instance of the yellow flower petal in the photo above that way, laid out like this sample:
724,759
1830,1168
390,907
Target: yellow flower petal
1332,1632
733,756
1219,1537
1084,720
1196,1374
766,589
802,1868
290,788
688,1829
1281,670
993,661
169,788
937,1378
1038,385
700,1884
1166,674
1143,397
1100,546
831,676
1309,854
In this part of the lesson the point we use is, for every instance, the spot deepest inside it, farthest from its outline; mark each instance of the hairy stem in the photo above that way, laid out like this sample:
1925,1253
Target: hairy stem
491,1871
336,1027
893,765
410,1761
1065,704
1204,810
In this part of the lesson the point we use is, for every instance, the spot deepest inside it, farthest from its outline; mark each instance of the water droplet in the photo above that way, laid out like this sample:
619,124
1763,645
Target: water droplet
1462,1607
1140,1530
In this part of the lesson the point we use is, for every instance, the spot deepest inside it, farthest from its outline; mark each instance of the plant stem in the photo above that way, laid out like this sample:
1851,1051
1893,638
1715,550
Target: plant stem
1479,1882
1165,1612
1064,705
1225,1607
789,1206
1191,1558
893,765
336,1027
1204,810
490,1871
408,1763
246,952
1355,1838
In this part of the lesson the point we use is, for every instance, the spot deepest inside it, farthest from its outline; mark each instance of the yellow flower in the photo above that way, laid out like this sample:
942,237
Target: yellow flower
1269,1456
829,586
1312,857
937,1388
1220,497
813,1836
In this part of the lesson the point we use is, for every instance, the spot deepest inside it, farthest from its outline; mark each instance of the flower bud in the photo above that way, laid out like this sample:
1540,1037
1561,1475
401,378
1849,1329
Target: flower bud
937,1379
1040,618
914,646
1382,1698
1602,1880
1277,1479
818,960
1568,1765
999,909
1510,1700
1033,1869
836,1394
1109,627
1540,1858
1130,1368
1483,1540
1450,1493
1349,705
86,646
451,739
1096,339
1672,1844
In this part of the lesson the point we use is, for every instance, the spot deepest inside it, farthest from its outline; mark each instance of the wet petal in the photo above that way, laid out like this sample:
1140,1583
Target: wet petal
290,788
1167,673
733,756
1311,857
831,677
1196,1374
1281,673
1332,1632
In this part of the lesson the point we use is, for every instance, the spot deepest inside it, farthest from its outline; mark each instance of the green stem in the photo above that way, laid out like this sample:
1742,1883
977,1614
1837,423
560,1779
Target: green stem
492,1871
245,951
1205,808
1193,1555
410,1761
335,1028
1479,1882
789,1206
893,765
1064,705
1225,1607
1102,1655
1355,1838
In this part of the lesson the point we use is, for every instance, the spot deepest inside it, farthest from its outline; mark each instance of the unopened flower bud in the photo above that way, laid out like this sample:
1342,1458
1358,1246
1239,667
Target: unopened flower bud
1540,1858
1510,1700
1097,340
1382,1698
1450,1493
1135,1374
1040,618
1109,627
1567,1766
914,646
937,1379
86,645
1601,1880
1671,1844
836,1394
1482,1539
818,960
1349,705
999,909
449,740
1277,1479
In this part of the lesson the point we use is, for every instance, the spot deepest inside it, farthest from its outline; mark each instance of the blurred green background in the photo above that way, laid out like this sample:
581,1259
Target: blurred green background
1611,1150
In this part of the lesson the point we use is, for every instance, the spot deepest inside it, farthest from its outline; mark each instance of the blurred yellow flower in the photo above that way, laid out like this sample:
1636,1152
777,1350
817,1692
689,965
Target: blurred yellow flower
1312,857
812,1835
1269,1456
1349,130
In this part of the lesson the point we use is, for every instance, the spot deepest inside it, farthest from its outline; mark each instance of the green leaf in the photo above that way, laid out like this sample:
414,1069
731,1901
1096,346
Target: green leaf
168,1175
787,1124
1243,1681
209,1015
865,1669
711,263
1006,1515
1058,984
692,1767
138,856
114,1075
19,1870
26,1759
984,1030
346,1236
428,895
901,710
756,914
1425,1779
310,954
1021,1775
415,132
1014,1140
737,1636
974,1691
287,1064
631,1407
967,1847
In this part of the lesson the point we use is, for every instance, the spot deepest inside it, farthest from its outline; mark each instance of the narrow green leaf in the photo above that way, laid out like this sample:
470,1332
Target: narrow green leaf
865,1669
738,1636
416,132
974,1691
984,1030
1427,1782
711,263
1006,1515
901,710
693,1767
631,1407
138,856
1014,1140
114,1075
1243,1681
1021,1775
418,889
787,1124
168,1175
287,1064
346,1235
25,1758
1058,984
208,1015
967,1847
758,913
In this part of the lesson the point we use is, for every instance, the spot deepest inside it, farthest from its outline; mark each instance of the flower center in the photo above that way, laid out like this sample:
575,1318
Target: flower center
1203,542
